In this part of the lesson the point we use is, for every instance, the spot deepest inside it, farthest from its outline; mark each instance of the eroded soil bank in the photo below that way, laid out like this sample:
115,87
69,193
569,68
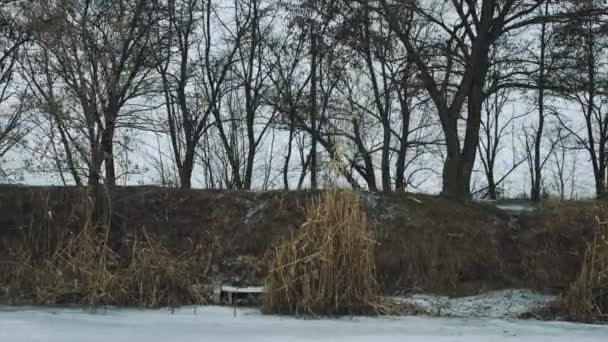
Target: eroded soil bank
425,243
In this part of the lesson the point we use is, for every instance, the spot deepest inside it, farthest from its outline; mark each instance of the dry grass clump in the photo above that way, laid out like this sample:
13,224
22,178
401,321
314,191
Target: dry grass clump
83,269
156,277
587,297
328,266
554,242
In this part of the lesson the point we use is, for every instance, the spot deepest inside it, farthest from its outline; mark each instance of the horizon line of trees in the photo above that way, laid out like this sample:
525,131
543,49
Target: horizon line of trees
284,93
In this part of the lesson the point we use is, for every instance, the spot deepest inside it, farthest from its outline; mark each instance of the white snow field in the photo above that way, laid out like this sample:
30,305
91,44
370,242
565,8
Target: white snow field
220,324
510,303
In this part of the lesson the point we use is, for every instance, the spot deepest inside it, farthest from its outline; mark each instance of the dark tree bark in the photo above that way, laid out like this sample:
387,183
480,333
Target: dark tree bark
314,53
535,191
404,104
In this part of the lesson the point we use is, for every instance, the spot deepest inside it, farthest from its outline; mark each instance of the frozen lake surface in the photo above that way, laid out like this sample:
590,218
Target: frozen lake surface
220,324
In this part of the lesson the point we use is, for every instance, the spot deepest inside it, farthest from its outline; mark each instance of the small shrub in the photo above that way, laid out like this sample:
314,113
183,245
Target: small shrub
328,266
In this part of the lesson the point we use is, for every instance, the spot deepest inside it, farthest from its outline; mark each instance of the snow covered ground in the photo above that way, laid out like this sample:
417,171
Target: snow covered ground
512,206
220,324
511,303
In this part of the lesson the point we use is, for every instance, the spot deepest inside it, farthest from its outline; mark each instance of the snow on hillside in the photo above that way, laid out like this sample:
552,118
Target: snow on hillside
511,303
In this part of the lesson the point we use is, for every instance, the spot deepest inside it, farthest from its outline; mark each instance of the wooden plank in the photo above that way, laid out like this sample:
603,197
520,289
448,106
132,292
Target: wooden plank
249,289
221,291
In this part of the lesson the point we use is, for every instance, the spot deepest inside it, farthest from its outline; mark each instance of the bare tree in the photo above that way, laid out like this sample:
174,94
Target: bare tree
582,46
241,123
253,81
289,82
375,92
552,138
464,47
561,173
193,87
14,34
494,128
536,172
385,97
104,52
58,114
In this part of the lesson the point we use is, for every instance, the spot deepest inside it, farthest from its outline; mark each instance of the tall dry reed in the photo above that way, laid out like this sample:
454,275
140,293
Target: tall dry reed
328,266
587,297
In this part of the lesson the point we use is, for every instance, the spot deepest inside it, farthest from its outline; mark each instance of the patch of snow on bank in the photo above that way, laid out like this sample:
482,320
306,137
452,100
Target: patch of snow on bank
495,304
516,207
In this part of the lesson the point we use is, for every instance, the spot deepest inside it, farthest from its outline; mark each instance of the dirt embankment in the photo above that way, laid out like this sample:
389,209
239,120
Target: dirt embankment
425,242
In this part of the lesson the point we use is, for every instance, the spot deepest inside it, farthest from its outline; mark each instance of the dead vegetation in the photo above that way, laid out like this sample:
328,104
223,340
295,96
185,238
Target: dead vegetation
82,268
328,266
85,271
167,246
587,297
552,242
442,258
431,247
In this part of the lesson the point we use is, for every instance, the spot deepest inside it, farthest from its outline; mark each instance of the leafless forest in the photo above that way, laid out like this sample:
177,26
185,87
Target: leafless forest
470,98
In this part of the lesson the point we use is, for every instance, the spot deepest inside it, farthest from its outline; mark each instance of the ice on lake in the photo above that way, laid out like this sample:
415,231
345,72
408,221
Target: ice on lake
220,324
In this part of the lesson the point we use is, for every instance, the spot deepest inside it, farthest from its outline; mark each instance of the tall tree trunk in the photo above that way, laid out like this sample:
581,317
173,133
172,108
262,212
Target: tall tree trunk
107,146
382,101
404,102
535,192
368,172
185,172
97,158
94,168
598,156
313,107
492,135
288,155
230,151
471,141
455,182
385,164
459,164
251,96
68,154
400,183
600,185
600,178
251,151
